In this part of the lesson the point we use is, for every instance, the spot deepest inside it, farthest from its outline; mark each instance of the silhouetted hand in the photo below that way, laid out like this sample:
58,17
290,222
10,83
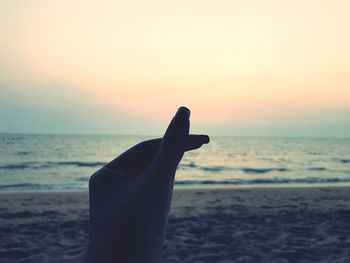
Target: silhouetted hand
130,197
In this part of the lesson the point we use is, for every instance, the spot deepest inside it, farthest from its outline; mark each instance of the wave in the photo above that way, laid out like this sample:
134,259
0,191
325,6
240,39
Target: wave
43,187
262,181
317,169
262,170
215,168
211,169
307,180
84,164
186,166
15,166
40,165
24,152
218,168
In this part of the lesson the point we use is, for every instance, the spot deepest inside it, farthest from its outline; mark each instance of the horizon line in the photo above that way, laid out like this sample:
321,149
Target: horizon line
157,135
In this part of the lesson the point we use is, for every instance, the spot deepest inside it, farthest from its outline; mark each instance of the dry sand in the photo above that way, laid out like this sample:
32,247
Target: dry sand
205,225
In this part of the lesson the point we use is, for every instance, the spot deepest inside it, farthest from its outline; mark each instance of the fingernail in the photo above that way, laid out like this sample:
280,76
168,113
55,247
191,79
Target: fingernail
182,113
205,138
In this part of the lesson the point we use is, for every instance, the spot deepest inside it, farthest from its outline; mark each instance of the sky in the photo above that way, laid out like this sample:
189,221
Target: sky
244,68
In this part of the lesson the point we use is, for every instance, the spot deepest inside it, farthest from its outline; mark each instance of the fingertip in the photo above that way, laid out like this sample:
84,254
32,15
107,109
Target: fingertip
184,109
196,141
205,139
182,114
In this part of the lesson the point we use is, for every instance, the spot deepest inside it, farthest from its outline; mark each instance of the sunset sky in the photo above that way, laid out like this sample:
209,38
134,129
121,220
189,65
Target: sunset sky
250,68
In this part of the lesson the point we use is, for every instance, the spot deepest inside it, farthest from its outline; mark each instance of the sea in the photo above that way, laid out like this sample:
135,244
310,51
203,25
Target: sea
66,162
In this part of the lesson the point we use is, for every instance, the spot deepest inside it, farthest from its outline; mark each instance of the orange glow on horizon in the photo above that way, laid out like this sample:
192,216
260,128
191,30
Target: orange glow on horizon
227,61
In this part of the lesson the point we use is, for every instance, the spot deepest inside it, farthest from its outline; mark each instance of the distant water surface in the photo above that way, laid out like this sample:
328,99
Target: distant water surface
58,162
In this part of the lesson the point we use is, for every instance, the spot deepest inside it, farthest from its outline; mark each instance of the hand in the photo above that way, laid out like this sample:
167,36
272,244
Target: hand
130,197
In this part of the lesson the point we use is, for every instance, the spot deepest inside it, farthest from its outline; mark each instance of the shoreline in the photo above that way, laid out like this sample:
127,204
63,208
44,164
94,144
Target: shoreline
196,187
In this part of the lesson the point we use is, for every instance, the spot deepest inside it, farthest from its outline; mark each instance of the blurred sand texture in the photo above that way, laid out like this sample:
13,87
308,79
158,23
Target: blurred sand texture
277,225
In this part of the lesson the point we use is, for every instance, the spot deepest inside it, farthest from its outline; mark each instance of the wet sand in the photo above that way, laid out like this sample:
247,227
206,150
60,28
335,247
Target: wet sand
205,225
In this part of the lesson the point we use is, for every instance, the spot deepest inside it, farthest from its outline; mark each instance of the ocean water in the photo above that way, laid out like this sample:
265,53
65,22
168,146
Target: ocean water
59,162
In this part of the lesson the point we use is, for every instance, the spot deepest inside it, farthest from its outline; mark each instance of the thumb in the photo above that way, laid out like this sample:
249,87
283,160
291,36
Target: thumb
174,142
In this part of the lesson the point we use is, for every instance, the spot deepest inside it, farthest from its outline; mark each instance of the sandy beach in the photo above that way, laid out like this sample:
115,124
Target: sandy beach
205,225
